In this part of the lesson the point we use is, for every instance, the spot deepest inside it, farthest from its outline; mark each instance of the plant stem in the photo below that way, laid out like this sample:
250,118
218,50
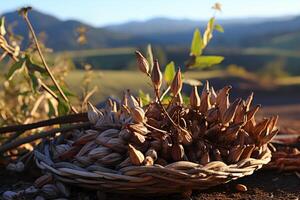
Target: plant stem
40,135
45,63
80,117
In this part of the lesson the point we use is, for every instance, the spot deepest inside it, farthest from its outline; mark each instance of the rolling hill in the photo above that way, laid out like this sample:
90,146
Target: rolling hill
255,32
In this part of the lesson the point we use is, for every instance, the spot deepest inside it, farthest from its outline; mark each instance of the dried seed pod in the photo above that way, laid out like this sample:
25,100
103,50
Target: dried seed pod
31,191
50,190
116,144
111,159
156,145
223,99
194,98
213,96
87,137
124,163
137,114
177,152
125,134
251,113
135,155
161,161
230,112
9,195
139,128
137,139
132,102
217,155
110,133
43,180
240,115
99,152
213,115
60,149
102,140
205,158
185,136
86,148
93,114
83,160
235,154
63,189
156,76
142,62
205,104
176,84
39,198
247,151
249,101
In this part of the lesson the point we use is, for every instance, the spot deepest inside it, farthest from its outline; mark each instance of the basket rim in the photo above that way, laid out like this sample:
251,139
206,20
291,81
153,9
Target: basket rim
179,169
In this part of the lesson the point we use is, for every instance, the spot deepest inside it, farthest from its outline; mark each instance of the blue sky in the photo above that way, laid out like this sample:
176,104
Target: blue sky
103,12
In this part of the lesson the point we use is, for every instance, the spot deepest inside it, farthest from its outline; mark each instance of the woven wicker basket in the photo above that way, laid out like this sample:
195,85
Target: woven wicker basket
174,178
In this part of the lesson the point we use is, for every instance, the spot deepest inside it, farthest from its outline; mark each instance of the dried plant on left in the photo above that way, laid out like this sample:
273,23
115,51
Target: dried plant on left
32,90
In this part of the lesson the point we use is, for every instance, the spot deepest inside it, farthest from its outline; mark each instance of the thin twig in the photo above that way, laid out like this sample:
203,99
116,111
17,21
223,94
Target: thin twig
25,16
40,135
80,117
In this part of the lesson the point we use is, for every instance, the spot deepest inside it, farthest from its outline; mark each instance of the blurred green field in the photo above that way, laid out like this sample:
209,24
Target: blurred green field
113,83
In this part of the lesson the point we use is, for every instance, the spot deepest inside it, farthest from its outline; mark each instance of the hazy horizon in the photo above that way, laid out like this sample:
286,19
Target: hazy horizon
115,12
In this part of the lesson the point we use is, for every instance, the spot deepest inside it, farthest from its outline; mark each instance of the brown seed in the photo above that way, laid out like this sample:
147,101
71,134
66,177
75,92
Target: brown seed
148,161
142,62
135,155
176,84
156,76
241,188
194,98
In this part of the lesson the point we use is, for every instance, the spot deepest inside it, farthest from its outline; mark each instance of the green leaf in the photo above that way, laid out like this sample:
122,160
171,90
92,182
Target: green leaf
32,67
197,43
51,111
207,61
150,56
219,28
66,91
145,97
169,72
2,26
34,82
14,68
63,108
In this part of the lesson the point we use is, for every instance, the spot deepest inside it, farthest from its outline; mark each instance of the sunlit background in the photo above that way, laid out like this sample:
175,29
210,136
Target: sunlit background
260,43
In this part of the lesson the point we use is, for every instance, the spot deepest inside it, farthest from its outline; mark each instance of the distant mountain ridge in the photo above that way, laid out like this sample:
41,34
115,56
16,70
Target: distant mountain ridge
61,35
